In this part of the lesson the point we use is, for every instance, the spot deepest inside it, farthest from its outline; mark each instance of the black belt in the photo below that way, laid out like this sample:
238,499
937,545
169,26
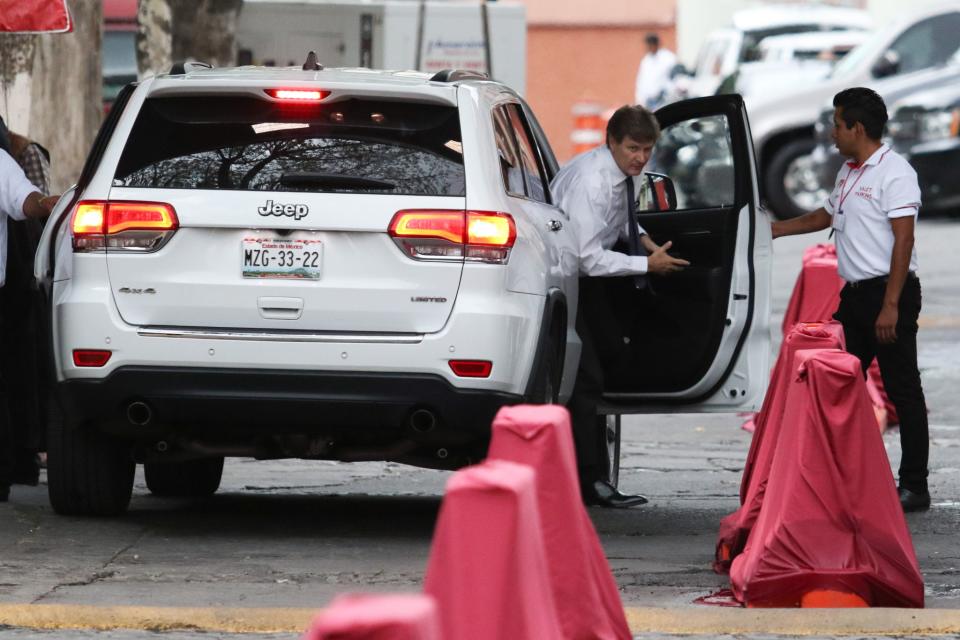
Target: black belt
911,275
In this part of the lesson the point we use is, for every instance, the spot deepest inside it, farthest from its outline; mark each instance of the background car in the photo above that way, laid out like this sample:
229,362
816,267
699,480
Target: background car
726,49
352,264
783,122
923,127
791,60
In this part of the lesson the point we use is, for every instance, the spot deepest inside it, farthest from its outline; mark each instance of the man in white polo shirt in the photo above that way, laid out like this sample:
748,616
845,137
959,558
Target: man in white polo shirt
873,211
19,200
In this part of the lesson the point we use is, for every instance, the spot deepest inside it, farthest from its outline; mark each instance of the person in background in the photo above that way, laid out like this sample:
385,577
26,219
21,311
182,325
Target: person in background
19,338
653,76
596,190
873,210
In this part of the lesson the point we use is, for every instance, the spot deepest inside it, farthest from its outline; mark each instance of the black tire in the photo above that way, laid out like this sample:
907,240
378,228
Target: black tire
778,194
88,473
612,431
187,479
546,388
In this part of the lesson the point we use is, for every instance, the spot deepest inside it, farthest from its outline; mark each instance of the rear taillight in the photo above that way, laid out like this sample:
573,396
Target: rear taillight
90,357
471,368
478,236
122,226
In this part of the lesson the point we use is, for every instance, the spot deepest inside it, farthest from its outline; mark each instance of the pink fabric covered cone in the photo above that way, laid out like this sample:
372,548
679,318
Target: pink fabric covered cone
584,590
831,519
815,298
735,528
377,617
487,569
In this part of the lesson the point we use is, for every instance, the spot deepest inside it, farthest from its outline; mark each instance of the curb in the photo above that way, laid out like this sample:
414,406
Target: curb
692,621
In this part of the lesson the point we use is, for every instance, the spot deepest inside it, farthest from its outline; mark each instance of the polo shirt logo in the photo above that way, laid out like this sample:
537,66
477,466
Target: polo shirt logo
865,192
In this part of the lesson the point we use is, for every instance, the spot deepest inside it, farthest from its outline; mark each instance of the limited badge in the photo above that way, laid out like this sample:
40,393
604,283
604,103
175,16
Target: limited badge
839,220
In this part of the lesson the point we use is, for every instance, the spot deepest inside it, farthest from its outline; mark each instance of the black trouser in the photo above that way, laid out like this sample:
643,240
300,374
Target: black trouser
600,327
859,306
6,441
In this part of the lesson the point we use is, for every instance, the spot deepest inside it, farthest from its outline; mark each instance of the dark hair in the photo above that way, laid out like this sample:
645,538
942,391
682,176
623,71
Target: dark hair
653,39
865,106
635,121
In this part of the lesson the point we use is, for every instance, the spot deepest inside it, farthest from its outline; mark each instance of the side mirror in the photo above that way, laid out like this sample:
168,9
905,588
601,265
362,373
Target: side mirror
656,193
887,65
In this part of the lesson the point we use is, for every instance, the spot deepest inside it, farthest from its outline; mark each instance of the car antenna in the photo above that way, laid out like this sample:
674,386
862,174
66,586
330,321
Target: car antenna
311,64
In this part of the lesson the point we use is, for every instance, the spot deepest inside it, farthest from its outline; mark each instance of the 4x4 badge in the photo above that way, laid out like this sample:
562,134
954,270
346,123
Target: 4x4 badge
295,211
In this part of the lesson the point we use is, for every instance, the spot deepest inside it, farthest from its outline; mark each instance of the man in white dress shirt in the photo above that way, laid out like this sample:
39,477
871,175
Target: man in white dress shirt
19,200
653,76
596,189
873,211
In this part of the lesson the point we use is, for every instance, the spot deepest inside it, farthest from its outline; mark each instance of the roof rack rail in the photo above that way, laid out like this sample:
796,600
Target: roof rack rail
181,68
453,75
311,63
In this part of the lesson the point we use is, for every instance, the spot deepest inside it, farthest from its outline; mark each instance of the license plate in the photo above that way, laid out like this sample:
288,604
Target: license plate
280,258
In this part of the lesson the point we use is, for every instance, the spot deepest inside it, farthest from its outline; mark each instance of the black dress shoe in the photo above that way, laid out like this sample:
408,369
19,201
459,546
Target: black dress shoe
604,494
912,501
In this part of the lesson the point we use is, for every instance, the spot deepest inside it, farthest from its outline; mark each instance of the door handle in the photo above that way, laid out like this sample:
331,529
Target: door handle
554,225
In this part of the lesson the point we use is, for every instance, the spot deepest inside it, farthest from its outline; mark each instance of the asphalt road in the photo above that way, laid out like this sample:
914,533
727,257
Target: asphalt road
296,533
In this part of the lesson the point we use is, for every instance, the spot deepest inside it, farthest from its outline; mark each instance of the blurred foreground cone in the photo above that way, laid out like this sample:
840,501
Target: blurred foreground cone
736,527
487,569
377,617
831,531
584,590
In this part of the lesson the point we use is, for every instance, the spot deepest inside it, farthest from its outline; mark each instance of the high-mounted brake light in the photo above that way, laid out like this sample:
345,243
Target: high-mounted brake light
478,236
133,226
298,95
90,357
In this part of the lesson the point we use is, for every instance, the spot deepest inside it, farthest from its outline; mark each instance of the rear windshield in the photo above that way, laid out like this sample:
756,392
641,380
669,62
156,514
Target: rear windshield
245,144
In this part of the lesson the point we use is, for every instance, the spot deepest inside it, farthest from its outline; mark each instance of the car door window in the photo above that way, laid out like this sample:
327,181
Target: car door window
928,43
507,154
533,172
697,155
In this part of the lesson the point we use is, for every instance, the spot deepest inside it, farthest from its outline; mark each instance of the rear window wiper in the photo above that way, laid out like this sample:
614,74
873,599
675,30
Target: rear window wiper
334,181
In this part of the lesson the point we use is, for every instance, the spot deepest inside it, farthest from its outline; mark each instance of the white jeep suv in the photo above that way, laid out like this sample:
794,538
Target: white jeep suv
352,264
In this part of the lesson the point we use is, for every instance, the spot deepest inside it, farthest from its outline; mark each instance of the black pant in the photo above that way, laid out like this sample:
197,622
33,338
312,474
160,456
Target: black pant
6,440
600,327
859,307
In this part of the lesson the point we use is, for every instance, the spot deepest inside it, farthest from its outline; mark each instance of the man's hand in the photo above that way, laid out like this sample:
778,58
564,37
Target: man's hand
38,206
663,263
886,324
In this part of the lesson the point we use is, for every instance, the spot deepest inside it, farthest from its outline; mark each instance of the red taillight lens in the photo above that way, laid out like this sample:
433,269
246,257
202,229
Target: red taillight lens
444,225
471,368
482,236
90,357
145,216
298,95
133,226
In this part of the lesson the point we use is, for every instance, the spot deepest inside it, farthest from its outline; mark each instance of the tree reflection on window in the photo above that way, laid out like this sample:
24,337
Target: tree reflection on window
259,166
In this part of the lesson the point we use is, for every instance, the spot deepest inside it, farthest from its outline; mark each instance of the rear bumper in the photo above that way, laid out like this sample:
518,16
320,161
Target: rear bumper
243,405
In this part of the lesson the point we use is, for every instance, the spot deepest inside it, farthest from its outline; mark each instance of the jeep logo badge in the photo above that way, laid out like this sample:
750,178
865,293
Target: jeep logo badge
295,211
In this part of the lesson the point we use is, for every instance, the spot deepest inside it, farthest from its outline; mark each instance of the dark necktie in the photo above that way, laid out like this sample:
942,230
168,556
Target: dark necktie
634,244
